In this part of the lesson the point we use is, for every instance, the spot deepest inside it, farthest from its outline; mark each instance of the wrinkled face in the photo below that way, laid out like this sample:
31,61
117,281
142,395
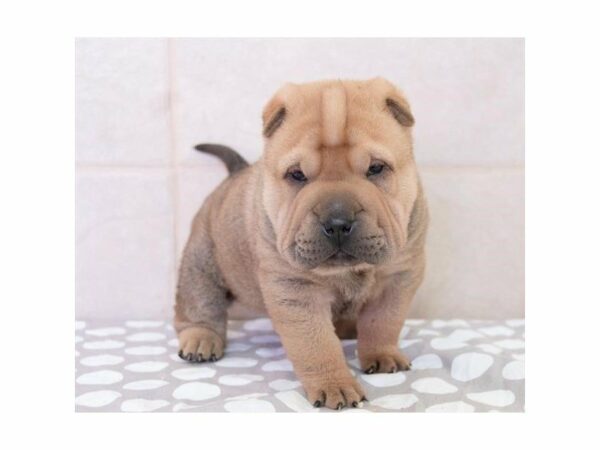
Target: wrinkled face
340,179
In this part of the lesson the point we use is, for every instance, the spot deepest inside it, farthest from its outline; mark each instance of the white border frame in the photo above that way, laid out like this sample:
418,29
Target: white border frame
562,221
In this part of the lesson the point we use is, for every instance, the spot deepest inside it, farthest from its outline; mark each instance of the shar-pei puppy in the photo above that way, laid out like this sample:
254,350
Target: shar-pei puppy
324,234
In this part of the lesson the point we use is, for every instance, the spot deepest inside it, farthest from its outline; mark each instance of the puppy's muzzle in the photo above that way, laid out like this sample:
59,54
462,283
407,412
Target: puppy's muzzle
338,219
338,228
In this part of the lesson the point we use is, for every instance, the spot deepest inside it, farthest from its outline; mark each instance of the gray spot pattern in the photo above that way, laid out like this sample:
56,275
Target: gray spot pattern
458,366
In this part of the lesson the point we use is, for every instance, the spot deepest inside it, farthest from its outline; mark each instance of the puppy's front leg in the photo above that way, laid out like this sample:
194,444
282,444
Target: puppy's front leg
379,324
302,318
201,302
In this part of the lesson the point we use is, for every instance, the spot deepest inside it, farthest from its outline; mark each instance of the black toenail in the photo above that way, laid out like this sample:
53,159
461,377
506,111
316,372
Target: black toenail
189,357
317,404
364,399
180,354
354,404
370,370
213,357
340,405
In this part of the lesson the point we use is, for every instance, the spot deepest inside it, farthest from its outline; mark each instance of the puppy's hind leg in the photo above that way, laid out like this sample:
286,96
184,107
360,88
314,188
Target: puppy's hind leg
201,303
345,328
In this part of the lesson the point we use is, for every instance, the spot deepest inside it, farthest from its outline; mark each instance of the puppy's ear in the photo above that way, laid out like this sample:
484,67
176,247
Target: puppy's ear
395,102
399,108
273,116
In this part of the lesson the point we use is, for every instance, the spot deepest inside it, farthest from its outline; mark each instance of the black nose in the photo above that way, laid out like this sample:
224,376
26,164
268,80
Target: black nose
338,229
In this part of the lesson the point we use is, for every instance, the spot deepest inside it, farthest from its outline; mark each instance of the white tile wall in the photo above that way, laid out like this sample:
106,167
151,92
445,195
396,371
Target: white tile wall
476,244
121,101
467,94
124,243
141,104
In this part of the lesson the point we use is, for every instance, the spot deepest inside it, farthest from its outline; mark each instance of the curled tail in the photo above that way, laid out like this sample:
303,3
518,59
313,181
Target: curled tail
232,159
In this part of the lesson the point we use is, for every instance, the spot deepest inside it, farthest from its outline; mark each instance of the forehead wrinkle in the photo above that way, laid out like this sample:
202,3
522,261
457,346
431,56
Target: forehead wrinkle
360,156
334,111
335,163
307,158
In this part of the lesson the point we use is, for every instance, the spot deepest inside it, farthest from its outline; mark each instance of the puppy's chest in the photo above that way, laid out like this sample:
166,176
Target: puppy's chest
352,291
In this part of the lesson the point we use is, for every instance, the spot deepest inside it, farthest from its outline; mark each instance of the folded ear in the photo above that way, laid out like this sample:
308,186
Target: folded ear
273,116
395,101
400,109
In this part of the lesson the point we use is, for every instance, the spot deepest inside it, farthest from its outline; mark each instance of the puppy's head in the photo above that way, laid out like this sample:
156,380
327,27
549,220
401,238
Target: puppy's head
340,178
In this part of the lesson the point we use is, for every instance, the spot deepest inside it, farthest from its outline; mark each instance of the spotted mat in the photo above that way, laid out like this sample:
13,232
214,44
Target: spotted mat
457,366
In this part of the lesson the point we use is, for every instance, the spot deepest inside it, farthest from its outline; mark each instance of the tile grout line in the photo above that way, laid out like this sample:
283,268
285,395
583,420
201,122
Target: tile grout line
175,165
173,160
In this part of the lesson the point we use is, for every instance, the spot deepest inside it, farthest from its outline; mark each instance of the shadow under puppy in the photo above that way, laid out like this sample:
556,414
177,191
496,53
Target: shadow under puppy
325,234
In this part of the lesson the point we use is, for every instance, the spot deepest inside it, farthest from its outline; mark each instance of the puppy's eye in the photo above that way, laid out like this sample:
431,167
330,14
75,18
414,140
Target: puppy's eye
375,169
297,175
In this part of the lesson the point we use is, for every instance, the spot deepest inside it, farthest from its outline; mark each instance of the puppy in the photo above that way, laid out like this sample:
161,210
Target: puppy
324,234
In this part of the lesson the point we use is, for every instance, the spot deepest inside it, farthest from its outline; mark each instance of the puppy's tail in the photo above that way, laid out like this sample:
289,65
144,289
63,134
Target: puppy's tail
232,159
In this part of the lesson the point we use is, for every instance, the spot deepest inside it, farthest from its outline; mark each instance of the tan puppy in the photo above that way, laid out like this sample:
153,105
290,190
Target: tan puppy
325,234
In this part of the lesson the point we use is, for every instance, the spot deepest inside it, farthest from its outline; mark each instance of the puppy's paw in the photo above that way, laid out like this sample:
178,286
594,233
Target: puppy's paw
336,393
384,362
197,344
